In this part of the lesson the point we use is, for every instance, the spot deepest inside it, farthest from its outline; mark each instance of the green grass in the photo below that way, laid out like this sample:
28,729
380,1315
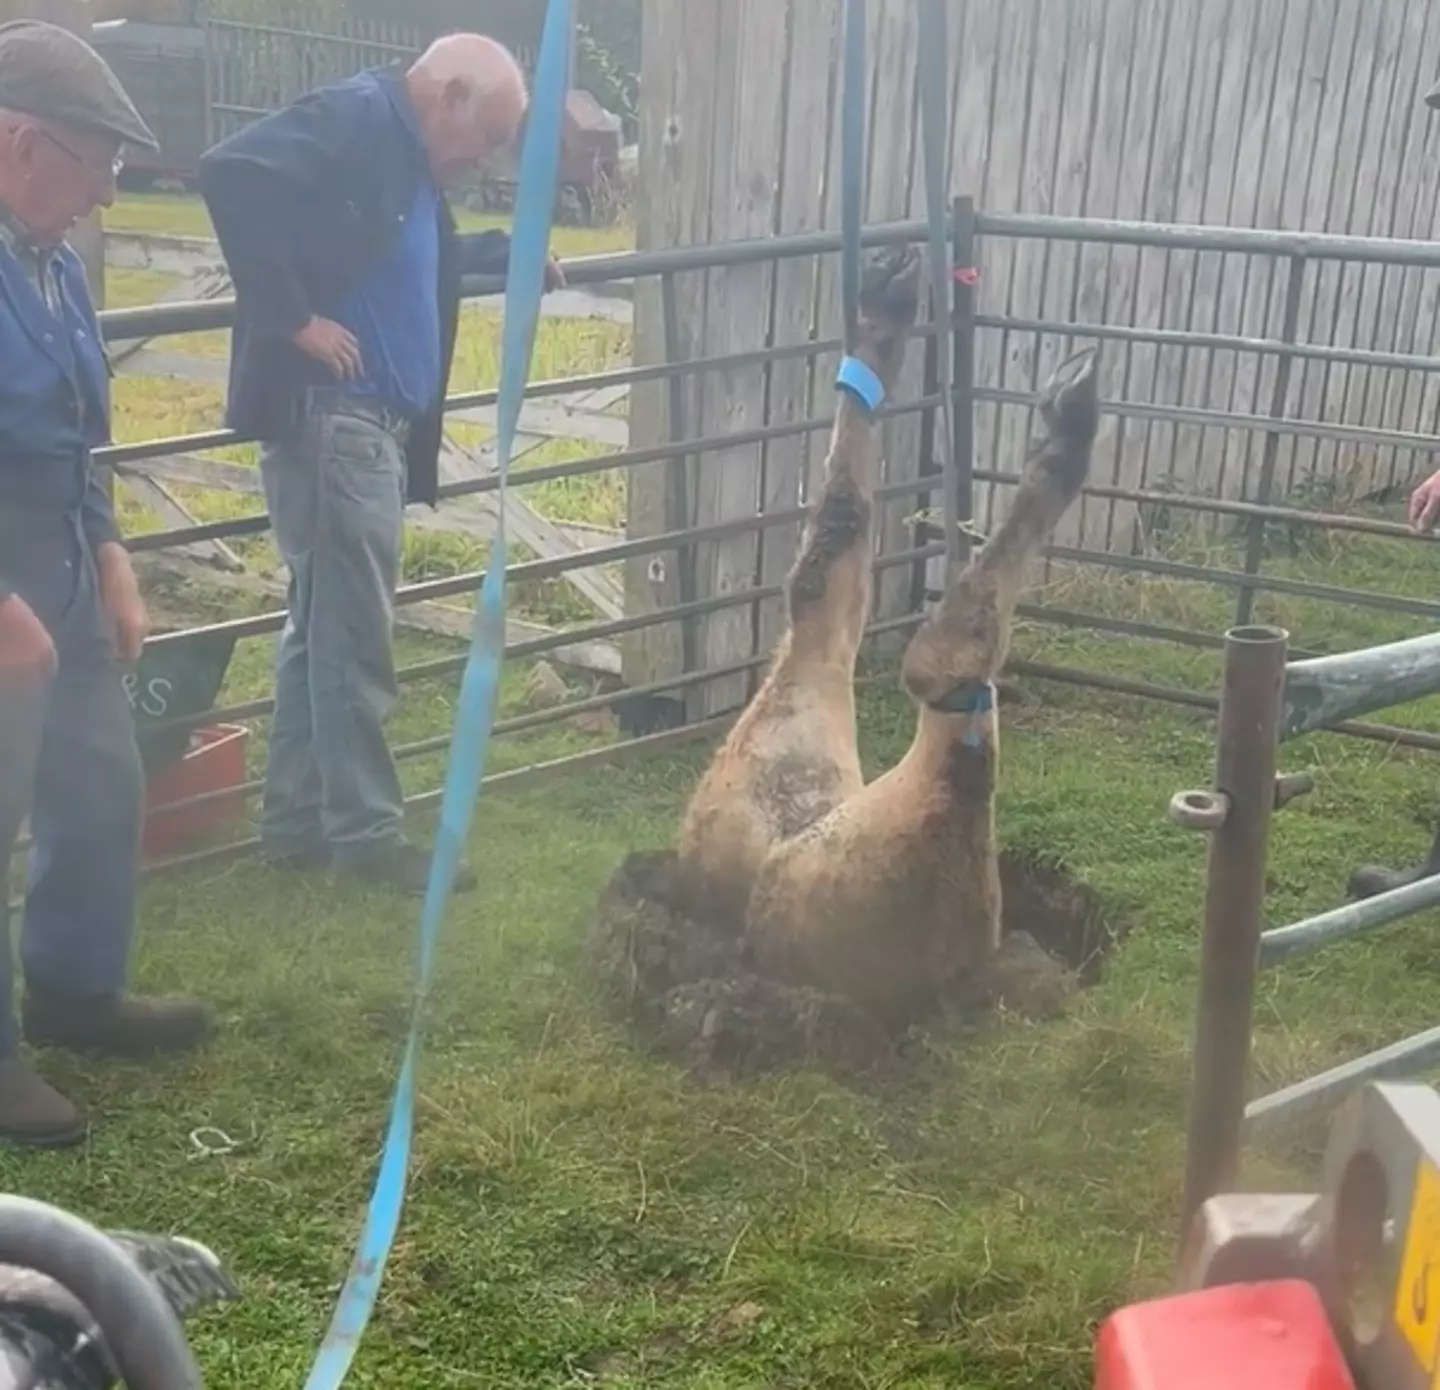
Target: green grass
580,1214
176,214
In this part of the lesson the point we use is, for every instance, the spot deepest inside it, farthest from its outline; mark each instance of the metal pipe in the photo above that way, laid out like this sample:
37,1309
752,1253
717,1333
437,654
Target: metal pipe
1320,1094
525,723
960,484
1212,342
679,471
1318,246
124,324
120,325
1350,919
1331,688
539,646
1219,506
1245,750
582,468
1094,680
1279,396
1174,569
1232,420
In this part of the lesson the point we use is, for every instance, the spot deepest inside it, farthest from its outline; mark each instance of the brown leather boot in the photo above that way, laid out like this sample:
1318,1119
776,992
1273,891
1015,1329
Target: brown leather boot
116,1025
33,1113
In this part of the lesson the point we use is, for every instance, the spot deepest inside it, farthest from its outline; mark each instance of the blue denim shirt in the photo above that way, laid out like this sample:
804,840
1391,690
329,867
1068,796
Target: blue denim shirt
54,390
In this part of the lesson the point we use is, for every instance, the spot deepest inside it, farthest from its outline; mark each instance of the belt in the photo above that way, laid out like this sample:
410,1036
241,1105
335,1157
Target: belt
327,400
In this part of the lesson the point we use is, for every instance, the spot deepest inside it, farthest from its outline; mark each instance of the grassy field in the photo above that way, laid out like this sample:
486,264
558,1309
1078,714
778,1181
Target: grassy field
580,1214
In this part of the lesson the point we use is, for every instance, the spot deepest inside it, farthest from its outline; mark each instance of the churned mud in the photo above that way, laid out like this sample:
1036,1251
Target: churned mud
687,986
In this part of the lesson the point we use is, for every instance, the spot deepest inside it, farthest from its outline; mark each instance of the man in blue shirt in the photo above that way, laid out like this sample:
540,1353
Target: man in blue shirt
347,265
71,614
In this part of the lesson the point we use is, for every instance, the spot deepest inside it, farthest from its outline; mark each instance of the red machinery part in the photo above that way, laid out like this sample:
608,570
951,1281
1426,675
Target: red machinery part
1265,1336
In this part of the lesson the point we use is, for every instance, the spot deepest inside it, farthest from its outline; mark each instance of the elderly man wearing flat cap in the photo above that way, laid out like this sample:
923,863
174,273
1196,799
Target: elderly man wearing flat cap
71,615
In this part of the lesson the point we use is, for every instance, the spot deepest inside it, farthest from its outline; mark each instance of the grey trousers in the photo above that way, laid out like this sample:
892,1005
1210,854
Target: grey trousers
336,493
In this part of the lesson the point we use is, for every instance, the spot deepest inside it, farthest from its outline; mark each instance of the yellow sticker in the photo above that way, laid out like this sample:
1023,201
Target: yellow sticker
1417,1295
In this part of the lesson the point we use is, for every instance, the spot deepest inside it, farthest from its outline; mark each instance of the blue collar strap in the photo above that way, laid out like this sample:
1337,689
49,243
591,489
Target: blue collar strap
861,382
974,697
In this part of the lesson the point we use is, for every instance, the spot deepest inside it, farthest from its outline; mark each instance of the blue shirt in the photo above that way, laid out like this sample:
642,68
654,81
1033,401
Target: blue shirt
54,389
395,314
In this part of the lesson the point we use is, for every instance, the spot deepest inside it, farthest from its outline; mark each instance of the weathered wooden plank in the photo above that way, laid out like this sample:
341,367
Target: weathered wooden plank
748,133
194,471
554,420
1170,66
437,619
896,189
527,526
678,78
1255,287
814,49
1368,389
1098,277
1209,288
1000,441
1065,60
172,513
1396,406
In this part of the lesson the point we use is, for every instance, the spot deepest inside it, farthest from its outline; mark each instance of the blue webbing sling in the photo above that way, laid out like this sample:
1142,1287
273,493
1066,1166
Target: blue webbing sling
524,287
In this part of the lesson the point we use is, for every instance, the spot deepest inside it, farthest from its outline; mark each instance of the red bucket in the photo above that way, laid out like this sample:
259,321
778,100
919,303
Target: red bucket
214,762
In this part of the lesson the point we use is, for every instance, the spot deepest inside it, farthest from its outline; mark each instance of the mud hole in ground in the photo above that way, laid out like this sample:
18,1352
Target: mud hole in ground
688,988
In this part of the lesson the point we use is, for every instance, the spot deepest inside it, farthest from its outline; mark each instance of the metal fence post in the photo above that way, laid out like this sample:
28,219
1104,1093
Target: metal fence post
1238,814
1279,396
678,511
960,486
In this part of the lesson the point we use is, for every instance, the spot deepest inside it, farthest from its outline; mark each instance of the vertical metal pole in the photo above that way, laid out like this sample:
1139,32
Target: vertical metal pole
960,486
678,511
1279,395
930,466
1251,695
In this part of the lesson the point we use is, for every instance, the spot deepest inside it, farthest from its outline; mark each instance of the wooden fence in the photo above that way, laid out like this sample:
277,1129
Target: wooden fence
1289,114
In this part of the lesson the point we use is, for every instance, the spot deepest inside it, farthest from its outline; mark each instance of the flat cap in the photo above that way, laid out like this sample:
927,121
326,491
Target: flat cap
54,75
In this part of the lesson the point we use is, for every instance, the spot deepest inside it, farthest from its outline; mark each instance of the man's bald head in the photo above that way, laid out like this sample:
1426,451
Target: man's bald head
470,95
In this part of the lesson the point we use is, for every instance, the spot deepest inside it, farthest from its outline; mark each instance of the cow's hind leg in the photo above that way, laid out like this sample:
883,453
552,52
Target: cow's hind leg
792,754
964,641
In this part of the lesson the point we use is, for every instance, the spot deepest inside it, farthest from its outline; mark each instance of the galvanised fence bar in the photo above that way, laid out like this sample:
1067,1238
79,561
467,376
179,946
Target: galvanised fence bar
1265,702
985,327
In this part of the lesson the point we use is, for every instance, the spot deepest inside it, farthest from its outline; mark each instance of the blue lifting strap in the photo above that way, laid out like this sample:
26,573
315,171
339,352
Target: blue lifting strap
524,287
852,164
854,376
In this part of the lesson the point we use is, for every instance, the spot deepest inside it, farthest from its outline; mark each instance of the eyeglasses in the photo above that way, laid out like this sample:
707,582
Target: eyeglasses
116,165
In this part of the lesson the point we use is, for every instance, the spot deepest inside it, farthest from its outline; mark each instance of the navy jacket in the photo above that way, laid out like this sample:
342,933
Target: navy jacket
54,405
305,202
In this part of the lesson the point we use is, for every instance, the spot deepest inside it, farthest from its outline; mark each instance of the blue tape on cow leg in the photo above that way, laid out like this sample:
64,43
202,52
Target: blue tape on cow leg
861,382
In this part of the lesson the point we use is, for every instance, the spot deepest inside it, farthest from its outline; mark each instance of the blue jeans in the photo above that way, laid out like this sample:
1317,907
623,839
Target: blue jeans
336,493
68,755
